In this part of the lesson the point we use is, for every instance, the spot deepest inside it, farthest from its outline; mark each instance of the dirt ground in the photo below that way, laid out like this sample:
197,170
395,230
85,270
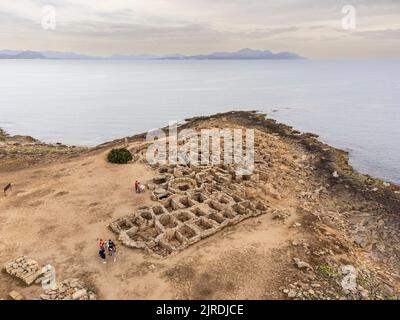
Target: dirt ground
57,212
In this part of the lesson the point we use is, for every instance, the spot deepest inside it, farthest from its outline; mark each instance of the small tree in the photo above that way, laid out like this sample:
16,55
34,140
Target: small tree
121,155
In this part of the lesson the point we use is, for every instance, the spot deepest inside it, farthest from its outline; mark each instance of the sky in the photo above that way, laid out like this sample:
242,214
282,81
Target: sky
311,28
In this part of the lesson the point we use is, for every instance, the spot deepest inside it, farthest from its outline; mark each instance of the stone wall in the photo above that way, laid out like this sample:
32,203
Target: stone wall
24,268
31,272
192,204
69,289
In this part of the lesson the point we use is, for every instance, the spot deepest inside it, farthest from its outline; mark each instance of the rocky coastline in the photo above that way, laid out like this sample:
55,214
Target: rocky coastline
18,151
334,223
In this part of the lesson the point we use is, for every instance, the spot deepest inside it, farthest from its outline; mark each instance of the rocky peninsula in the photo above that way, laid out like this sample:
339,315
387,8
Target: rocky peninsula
304,225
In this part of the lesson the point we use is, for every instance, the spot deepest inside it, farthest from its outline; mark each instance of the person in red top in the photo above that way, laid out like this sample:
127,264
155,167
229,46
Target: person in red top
101,243
136,186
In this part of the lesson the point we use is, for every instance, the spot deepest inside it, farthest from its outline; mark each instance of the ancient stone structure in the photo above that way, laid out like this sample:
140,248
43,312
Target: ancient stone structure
29,271
25,269
70,289
193,202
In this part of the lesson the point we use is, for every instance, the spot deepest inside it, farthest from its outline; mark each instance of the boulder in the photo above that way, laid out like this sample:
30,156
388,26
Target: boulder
301,264
16,295
79,294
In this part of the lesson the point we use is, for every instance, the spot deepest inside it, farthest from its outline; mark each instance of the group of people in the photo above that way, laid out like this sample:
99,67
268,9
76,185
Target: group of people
107,247
139,188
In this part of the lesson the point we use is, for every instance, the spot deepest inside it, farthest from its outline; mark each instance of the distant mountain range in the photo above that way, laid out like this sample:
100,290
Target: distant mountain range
244,54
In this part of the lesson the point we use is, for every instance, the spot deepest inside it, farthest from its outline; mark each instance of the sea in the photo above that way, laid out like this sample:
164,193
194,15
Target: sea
351,104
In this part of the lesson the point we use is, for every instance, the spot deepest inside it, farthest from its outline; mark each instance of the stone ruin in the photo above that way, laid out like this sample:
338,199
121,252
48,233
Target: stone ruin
30,271
25,269
192,203
69,289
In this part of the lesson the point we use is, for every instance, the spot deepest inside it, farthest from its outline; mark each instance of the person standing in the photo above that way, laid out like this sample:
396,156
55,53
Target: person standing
141,188
114,254
102,254
101,243
112,249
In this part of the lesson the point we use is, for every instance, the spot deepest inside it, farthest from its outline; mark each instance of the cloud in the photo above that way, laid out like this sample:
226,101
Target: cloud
162,26
386,34
265,33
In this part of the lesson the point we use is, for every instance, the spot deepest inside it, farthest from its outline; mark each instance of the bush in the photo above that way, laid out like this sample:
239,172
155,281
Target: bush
327,270
121,155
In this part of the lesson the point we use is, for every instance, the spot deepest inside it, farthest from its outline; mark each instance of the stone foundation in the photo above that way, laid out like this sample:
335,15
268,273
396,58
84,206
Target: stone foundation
70,289
30,272
24,268
192,203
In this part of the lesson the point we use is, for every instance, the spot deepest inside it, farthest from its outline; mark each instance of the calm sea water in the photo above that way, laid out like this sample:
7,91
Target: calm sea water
353,105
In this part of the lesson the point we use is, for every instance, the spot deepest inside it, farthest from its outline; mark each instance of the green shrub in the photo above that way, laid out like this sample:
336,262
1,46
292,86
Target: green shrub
121,155
327,270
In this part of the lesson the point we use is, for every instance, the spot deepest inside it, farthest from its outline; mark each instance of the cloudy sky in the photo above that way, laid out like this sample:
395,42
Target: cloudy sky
312,28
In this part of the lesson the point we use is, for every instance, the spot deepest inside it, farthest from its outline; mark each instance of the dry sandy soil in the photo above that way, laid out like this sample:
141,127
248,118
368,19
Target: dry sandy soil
57,211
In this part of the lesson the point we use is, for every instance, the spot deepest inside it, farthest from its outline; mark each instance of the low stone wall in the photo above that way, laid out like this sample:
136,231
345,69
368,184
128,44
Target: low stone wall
24,268
69,289
199,202
30,272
